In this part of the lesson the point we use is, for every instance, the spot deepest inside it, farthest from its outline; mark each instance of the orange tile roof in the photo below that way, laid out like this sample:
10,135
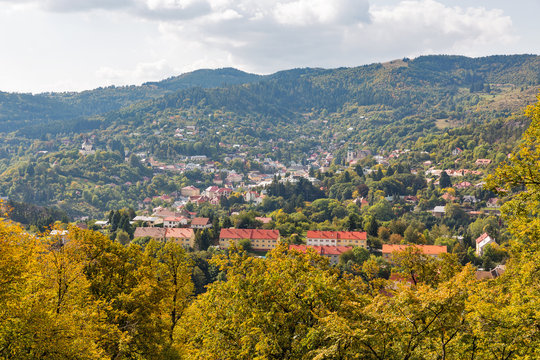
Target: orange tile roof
248,234
426,249
179,233
345,235
200,221
175,218
153,232
322,250
482,237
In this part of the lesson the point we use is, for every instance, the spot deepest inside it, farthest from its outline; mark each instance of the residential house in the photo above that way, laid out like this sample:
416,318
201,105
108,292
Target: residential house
201,223
470,199
190,191
482,241
183,236
448,197
87,148
431,250
226,192
102,223
337,238
463,185
174,221
211,191
153,232
490,274
250,196
438,211
260,239
234,178
150,220
482,162
331,252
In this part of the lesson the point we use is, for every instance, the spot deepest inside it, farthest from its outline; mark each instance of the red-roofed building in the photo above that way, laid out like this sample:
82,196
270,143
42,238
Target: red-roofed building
482,241
260,239
201,223
431,250
174,221
226,192
331,252
153,232
183,236
337,238
190,191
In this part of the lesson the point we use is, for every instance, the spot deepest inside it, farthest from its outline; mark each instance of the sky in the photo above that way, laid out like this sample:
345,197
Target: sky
75,45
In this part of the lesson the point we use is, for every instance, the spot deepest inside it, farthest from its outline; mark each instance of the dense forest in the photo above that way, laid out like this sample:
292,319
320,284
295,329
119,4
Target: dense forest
80,295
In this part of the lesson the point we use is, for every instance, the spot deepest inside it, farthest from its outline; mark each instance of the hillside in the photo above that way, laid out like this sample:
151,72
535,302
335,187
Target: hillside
299,117
18,110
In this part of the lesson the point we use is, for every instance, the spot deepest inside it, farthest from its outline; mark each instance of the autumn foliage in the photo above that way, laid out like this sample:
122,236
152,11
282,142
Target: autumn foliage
82,296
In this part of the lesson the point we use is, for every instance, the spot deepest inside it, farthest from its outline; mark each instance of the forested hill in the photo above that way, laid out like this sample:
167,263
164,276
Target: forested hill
402,97
18,110
424,80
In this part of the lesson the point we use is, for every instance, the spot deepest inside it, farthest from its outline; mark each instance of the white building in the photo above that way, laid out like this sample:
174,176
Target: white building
482,241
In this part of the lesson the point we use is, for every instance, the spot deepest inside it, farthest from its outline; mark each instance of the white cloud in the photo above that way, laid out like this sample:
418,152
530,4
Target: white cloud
160,38
266,36
310,12
142,72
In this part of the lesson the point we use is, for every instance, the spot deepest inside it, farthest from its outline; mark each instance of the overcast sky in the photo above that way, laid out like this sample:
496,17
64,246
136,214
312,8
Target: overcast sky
59,45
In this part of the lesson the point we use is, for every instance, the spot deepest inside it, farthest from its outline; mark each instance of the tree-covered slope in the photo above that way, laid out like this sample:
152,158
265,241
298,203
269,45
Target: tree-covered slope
56,109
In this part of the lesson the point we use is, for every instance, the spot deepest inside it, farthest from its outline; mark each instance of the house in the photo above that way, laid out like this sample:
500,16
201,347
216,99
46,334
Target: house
264,220
431,250
456,151
174,221
183,236
490,274
201,223
151,220
482,162
448,197
411,199
102,223
226,192
463,185
331,252
190,191
162,213
250,196
337,238
211,191
260,239
87,148
482,241
438,211
470,199
153,232
234,178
